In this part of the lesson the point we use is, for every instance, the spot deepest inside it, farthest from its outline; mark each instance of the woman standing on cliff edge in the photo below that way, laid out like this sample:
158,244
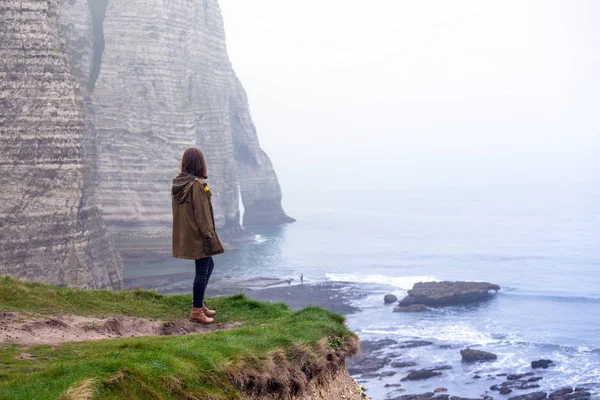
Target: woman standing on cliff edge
194,235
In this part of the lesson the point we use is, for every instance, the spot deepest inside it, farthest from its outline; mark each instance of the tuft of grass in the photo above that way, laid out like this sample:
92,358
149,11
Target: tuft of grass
84,390
276,350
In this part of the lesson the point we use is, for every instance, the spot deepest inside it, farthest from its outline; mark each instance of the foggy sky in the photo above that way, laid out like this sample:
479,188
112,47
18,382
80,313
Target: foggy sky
404,93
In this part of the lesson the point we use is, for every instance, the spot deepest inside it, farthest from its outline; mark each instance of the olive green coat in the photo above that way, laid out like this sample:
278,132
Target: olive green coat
194,234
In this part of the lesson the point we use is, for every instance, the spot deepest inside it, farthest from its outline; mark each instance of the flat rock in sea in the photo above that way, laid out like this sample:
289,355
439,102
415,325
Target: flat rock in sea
403,364
541,364
514,377
448,293
419,375
570,394
531,396
470,355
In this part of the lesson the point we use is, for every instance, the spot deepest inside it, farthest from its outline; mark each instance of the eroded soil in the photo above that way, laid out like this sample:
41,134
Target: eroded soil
42,329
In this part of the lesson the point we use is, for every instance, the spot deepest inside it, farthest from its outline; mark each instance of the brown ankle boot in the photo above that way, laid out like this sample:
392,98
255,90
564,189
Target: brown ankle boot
207,311
197,315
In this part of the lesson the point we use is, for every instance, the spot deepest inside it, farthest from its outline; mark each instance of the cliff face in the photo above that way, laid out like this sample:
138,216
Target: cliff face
158,80
98,101
259,187
49,228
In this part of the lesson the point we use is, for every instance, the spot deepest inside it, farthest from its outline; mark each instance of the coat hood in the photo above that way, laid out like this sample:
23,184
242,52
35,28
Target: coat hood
182,186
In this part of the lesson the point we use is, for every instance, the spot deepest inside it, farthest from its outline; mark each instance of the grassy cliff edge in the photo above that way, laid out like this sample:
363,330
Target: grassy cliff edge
275,352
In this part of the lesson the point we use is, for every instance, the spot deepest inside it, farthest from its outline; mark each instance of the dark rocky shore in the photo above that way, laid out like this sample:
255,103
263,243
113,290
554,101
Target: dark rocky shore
388,359
334,296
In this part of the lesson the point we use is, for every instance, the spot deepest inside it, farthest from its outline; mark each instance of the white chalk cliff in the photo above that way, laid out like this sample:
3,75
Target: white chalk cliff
99,99
158,80
49,228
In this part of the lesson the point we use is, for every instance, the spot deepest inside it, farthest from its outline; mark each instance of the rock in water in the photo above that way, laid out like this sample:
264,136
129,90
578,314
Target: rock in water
447,293
389,298
514,377
470,355
561,393
425,373
422,396
531,396
50,227
403,364
155,87
570,394
421,375
361,364
541,364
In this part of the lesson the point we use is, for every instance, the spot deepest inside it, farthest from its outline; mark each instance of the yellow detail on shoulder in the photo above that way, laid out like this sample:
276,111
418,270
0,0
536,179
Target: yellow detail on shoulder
206,189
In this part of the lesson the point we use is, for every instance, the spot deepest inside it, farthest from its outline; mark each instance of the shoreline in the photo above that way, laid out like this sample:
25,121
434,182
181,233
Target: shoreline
334,296
386,360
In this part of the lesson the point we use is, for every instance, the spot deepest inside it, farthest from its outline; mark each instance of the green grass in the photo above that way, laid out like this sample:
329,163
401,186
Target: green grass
203,366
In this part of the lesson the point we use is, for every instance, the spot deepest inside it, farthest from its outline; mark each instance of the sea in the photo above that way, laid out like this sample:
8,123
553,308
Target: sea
541,245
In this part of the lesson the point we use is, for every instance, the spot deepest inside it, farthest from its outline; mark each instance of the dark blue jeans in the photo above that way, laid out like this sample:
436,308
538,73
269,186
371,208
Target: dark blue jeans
204,269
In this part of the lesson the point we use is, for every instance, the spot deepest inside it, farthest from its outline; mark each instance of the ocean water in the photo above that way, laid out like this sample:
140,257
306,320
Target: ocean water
541,246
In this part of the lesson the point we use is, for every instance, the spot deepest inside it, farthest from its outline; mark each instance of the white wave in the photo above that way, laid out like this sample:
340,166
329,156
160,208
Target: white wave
402,282
454,333
259,239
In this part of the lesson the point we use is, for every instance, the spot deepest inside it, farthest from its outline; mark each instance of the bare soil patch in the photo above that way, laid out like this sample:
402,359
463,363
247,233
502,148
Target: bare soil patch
42,329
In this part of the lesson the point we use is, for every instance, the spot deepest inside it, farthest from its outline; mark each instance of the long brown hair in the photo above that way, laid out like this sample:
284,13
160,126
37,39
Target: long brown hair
193,162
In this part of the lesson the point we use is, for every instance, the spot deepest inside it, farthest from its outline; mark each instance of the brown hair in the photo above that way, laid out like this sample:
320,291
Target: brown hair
193,162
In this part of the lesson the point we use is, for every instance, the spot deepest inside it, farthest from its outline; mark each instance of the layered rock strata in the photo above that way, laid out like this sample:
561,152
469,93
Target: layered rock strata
158,80
49,228
98,101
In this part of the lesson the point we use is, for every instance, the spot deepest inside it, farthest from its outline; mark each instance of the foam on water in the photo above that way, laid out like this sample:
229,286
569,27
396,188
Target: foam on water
260,239
461,333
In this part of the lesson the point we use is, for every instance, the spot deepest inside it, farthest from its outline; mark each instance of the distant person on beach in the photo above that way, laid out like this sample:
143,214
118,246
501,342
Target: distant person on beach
194,235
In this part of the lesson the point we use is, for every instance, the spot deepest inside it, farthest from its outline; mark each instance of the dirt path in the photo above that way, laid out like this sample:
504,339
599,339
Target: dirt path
26,329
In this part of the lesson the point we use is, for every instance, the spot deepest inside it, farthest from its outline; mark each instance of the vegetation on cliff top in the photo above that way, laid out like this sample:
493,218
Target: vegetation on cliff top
275,351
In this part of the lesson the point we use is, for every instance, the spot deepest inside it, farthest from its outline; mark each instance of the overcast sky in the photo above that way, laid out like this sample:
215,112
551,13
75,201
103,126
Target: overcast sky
405,92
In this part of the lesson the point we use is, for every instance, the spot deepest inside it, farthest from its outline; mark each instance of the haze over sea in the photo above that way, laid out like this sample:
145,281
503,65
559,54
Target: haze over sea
541,245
